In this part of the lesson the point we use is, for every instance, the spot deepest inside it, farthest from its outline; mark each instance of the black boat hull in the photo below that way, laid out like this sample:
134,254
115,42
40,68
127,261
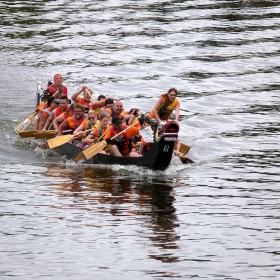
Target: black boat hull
158,158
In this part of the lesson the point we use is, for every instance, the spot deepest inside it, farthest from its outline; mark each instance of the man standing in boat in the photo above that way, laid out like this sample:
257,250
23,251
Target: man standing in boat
121,145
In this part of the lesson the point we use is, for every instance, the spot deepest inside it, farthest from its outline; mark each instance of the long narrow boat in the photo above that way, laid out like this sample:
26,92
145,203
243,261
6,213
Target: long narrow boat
157,158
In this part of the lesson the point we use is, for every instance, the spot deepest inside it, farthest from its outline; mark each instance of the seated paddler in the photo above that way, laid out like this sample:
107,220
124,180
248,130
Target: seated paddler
75,121
121,145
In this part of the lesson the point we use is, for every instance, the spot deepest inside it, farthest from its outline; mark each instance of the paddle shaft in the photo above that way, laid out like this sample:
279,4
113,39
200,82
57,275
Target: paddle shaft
90,95
124,130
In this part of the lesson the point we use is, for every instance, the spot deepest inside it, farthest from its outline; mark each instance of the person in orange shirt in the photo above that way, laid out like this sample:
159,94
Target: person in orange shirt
63,116
121,145
62,108
85,100
73,122
47,112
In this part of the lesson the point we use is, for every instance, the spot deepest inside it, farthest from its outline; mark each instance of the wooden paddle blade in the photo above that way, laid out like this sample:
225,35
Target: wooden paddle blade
45,134
60,140
22,126
184,148
80,157
183,158
27,134
94,149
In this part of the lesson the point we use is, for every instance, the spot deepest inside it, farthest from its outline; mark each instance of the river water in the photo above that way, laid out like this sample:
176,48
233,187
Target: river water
217,219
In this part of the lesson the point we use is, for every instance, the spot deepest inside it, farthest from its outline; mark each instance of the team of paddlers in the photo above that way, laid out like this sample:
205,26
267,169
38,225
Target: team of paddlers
93,120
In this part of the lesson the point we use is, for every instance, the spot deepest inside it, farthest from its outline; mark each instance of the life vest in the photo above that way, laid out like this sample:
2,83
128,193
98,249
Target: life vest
75,123
59,111
88,125
47,112
164,111
124,145
62,90
111,111
86,104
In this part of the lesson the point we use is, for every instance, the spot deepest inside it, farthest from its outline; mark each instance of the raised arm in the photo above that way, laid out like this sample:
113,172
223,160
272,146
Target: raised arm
76,94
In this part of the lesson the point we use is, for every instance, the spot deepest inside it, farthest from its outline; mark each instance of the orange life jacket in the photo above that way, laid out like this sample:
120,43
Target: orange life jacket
124,145
86,104
75,123
59,111
47,112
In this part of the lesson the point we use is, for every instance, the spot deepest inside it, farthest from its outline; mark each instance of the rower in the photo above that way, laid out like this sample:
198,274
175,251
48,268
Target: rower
121,145
47,112
62,108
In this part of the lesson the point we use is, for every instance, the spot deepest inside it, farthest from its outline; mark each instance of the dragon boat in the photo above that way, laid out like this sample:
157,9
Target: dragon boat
158,157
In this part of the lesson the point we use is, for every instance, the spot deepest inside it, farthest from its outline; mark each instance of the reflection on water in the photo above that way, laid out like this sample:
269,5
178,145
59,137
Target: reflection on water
104,191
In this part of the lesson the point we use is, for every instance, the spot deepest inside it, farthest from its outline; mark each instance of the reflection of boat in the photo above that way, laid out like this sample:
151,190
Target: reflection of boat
157,158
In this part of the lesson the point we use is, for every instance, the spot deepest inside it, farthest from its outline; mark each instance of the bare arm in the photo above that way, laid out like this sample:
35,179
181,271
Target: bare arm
177,112
79,128
42,121
99,103
62,127
157,105
76,94
90,138
57,121
49,121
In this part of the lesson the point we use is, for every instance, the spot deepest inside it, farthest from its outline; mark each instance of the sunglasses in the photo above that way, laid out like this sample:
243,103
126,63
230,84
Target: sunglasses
91,118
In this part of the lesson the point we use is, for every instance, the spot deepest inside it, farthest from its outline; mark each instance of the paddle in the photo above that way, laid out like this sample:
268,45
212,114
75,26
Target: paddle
90,95
47,134
184,148
23,125
81,156
183,158
60,140
27,134
96,148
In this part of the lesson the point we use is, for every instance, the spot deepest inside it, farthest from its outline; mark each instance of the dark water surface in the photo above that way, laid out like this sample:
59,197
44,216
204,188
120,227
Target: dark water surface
218,219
